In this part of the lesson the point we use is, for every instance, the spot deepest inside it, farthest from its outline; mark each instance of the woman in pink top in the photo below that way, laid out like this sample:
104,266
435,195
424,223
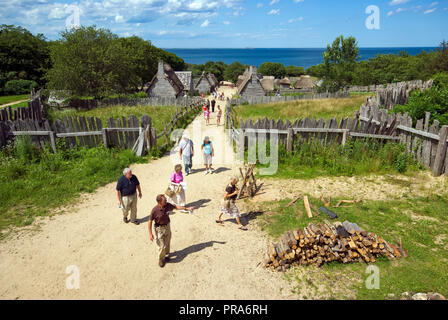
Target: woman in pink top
175,185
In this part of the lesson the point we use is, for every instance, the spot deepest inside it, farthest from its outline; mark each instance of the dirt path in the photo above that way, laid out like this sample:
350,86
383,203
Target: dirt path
117,260
12,103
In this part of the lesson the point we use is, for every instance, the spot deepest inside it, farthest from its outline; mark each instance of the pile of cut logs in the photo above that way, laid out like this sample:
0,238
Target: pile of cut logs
325,242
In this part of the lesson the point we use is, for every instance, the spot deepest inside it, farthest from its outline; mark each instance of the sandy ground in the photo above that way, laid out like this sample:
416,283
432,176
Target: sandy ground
370,187
117,261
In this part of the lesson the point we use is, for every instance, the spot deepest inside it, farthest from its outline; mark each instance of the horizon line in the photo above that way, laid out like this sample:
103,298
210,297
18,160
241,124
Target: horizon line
250,48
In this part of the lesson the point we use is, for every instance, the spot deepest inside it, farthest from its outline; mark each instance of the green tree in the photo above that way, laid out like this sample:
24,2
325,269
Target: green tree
275,69
340,61
22,53
434,100
233,70
89,62
293,71
140,62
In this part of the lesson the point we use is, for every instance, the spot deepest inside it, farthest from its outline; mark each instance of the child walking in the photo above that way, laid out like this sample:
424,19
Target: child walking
218,116
209,153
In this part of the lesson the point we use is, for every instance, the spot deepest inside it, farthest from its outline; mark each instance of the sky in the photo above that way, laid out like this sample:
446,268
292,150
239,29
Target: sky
241,23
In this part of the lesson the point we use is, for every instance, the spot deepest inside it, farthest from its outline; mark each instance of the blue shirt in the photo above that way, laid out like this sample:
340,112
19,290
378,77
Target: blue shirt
127,186
207,147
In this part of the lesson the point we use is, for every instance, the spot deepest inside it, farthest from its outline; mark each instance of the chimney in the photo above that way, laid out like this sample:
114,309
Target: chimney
160,69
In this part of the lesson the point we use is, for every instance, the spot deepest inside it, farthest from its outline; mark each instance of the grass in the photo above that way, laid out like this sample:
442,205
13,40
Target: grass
310,160
319,108
9,99
159,114
36,182
420,223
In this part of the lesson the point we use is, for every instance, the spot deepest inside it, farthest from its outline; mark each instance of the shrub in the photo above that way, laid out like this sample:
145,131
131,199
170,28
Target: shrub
20,86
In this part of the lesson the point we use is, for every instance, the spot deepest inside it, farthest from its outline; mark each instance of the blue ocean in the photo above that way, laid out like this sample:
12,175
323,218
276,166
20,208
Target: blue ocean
298,57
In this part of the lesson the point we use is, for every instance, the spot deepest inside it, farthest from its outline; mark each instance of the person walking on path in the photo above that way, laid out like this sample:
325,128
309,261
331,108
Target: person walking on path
177,188
218,116
186,152
160,216
213,105
127,187
209,153
228,206
207,117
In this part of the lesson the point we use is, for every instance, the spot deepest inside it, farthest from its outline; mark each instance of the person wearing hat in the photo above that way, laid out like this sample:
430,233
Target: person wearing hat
186,152
209,153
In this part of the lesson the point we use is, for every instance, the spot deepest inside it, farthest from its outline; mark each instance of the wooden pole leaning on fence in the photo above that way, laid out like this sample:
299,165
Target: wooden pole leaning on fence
439,161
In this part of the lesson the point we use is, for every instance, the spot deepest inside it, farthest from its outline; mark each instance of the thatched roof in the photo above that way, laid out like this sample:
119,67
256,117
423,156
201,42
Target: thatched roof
170,75
304,82
247,77
213,79
284,81
268,83
205,78
185,77
240,80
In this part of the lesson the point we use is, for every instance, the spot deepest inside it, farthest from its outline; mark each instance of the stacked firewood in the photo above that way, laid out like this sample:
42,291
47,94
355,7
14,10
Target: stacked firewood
325,242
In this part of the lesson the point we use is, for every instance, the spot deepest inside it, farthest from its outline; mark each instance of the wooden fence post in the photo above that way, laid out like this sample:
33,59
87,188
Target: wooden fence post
52,141
104,134
290,140
439,162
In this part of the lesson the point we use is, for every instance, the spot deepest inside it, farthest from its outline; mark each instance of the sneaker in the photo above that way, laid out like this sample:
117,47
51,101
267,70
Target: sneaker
212,171
161,263
206,172
184,211
135,222
125,220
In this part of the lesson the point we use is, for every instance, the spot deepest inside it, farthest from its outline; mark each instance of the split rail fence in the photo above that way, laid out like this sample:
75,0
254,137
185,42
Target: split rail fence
427,143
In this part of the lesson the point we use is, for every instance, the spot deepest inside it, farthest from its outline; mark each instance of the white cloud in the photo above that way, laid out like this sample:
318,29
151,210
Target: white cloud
226,23
390,13
274,12
297,1
205,23
397,2
119,18
274,2
430,11
259,5
295,20
433,4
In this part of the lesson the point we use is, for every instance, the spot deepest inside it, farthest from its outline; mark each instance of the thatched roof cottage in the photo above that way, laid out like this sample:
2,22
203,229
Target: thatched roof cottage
251,85
205,84
305,84
268,83
165,83
284,83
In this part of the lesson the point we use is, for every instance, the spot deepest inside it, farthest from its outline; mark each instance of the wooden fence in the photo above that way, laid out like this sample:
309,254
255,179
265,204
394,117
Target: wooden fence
154,101
125,133
34,111
428,144
271,99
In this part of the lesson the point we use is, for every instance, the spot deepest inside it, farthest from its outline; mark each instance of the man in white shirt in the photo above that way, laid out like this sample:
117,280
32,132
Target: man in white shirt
186,152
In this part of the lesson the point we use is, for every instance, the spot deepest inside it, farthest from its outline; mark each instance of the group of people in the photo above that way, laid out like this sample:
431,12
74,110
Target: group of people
218,95
174,196
209,107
